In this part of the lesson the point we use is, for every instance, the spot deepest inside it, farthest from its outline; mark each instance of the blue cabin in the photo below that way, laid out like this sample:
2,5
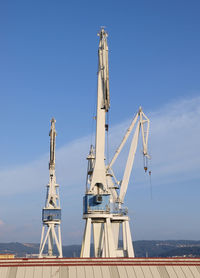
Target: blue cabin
51,214
98,203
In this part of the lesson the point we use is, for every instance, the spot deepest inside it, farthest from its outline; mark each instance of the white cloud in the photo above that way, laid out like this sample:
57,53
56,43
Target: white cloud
1,223
175,138
174,145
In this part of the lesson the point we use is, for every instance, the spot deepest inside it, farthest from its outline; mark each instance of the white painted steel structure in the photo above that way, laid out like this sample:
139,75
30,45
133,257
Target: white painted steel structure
101,268
51,213
105,195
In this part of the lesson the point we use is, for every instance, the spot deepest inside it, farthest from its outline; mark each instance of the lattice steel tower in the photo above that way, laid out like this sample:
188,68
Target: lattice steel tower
51,213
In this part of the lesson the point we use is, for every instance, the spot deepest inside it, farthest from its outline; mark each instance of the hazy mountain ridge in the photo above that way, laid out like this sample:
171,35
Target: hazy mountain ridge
143,248
166,248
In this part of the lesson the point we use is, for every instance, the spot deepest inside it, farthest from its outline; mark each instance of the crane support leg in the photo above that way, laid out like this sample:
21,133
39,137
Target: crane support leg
130,252
85,250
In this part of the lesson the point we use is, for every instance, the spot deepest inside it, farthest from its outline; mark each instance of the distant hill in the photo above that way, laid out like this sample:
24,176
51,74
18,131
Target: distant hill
143,248
166,248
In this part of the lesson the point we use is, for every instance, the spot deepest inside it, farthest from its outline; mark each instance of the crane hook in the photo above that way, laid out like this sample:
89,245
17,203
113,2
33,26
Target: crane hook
145,163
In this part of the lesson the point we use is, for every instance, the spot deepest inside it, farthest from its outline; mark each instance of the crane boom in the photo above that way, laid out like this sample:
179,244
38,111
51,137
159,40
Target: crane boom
129,164
103,68
145,133
52,201
143,125
98,179
52,135
128,132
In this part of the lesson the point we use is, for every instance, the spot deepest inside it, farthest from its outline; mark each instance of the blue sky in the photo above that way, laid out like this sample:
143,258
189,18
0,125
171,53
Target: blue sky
48,65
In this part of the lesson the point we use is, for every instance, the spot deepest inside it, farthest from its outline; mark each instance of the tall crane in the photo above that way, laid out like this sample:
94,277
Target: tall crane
97,197
103,210
51,213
